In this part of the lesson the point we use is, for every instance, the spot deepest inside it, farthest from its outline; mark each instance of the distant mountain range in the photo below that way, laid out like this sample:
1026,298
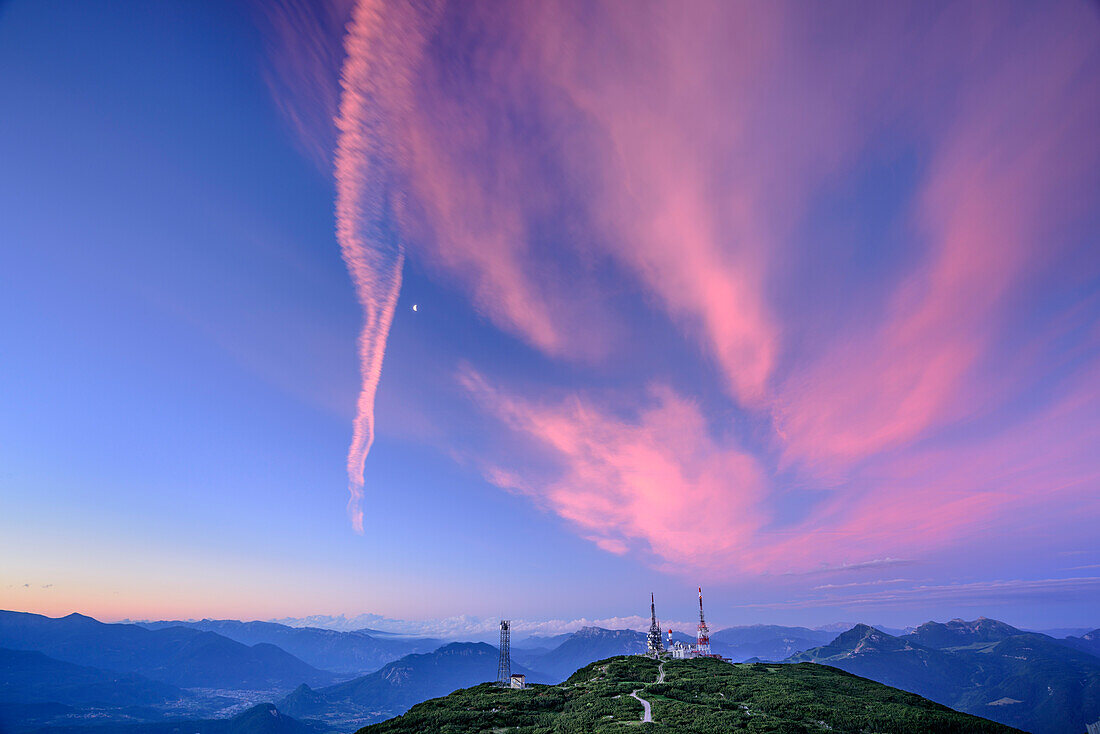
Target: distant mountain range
75,669
581,648
540,642
399,685
355,652
179,656
985,667
1088,642
1056,632
765,641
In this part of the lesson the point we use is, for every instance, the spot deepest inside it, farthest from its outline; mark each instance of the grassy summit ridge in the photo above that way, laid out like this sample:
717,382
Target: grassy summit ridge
697,696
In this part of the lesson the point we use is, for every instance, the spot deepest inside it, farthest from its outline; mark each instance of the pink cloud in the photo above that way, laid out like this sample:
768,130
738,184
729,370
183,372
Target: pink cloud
384,44
660,481
685,169
695,195
478,231
1013,483
304,54
976,593
656,480
657,136
481,192
673,97
1009,167
681,148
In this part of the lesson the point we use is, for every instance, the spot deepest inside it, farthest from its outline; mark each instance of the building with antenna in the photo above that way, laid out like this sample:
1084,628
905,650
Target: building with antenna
653,644
679,650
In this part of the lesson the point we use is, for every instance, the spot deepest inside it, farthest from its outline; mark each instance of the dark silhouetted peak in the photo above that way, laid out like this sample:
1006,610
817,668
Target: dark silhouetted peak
264,718
258,710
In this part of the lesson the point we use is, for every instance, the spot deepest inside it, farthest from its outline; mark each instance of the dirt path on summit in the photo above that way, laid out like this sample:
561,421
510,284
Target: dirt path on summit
647,713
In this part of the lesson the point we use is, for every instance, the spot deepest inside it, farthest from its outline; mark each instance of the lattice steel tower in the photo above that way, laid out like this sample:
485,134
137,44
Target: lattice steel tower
702,637
653,644
504,667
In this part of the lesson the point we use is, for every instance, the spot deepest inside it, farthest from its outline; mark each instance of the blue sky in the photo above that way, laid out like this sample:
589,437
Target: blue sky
786,363
181,368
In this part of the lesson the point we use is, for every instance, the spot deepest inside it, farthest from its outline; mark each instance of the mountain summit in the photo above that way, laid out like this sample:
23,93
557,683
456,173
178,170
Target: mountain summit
701,696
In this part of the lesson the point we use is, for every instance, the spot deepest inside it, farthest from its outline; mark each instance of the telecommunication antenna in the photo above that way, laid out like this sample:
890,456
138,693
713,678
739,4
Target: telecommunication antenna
702,638
653,639
504,667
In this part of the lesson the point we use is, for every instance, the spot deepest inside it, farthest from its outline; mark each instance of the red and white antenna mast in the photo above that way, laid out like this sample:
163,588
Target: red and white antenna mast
702,637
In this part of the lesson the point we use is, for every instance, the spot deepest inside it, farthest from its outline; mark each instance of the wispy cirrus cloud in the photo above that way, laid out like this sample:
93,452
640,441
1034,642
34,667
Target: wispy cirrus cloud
1005,173
873,563
383,44
305,53
531,155
981,592
863,584
701,215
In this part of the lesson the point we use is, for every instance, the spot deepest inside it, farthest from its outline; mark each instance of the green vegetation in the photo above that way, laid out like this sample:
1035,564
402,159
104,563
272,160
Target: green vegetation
697,696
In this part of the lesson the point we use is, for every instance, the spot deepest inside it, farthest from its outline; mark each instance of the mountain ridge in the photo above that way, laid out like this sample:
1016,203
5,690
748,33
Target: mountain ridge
29,676
1025,680
352,652
178,656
